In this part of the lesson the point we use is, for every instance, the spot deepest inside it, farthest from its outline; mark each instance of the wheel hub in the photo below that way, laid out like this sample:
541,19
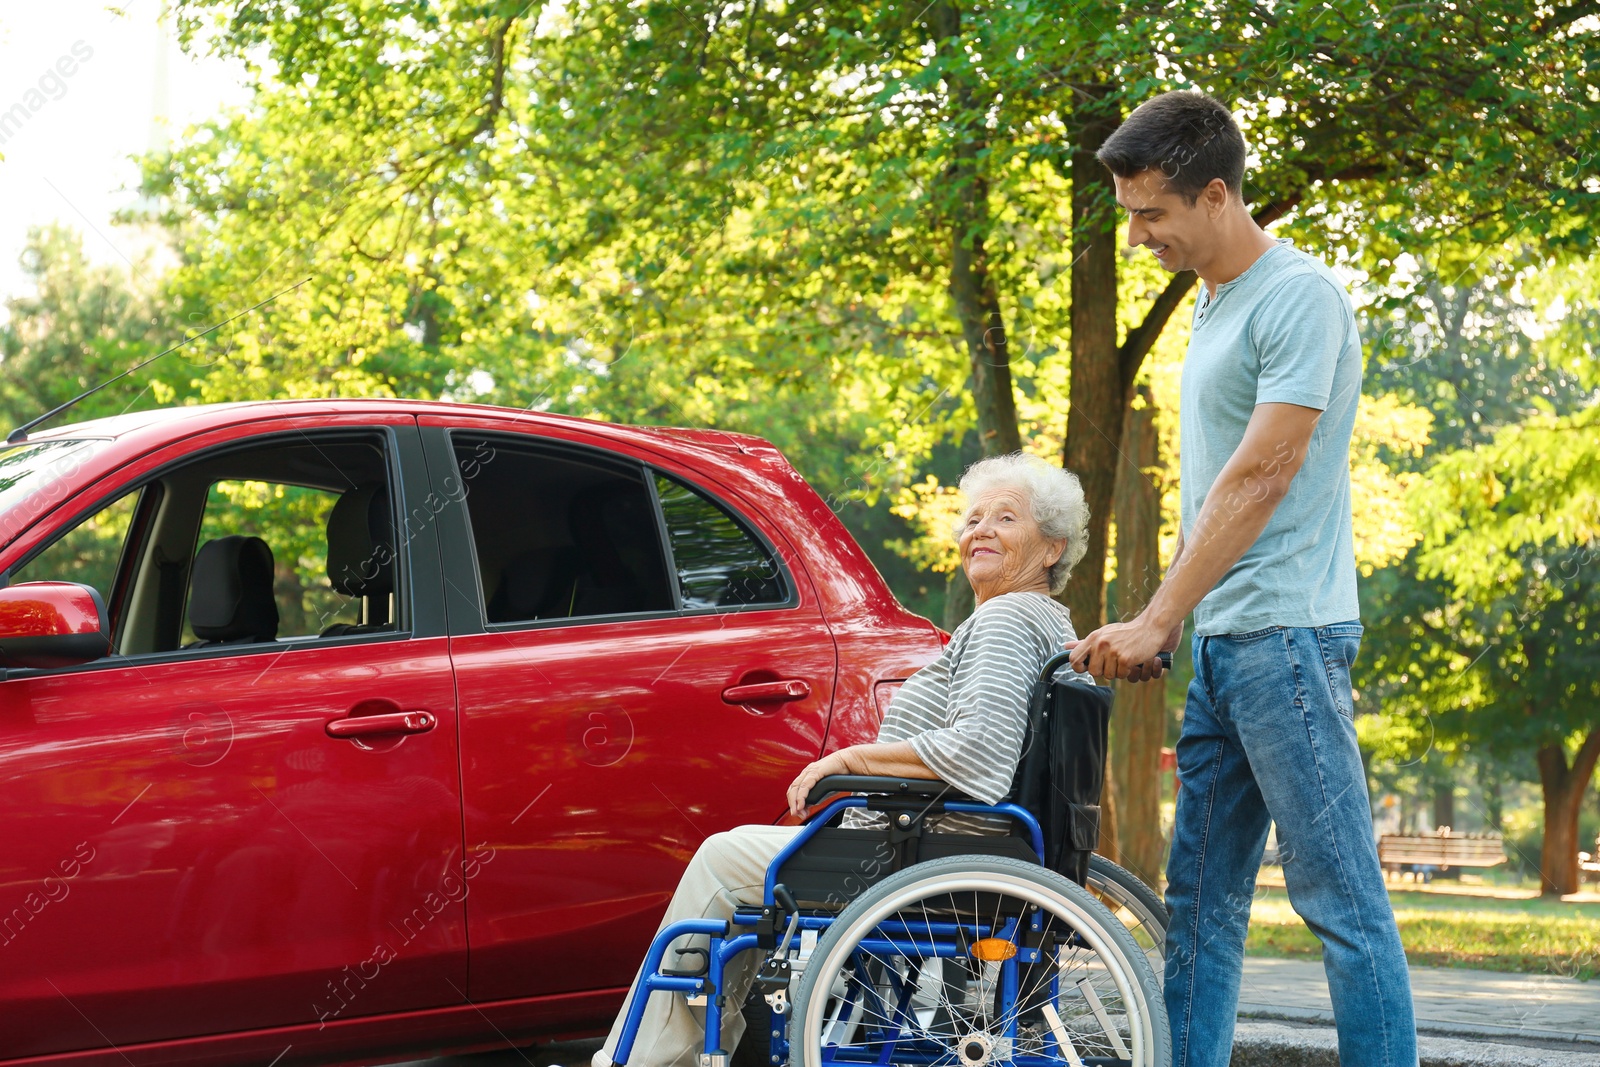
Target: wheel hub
974,1050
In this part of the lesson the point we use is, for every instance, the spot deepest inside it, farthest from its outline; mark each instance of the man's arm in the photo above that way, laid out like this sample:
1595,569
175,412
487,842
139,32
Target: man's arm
1236,510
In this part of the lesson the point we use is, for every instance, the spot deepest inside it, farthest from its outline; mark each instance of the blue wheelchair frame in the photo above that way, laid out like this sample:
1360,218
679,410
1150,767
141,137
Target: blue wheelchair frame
726,943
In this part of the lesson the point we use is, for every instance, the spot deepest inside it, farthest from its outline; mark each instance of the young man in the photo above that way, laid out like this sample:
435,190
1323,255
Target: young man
1266,563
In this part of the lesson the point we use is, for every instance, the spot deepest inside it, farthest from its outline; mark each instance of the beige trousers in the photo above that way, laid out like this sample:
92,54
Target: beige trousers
727,872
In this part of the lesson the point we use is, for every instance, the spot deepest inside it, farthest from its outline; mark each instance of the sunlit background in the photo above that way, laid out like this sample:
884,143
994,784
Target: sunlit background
69,161
562,240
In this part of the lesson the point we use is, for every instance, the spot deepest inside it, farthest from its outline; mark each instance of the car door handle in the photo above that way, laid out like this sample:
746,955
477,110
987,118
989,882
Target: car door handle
779,692
401,722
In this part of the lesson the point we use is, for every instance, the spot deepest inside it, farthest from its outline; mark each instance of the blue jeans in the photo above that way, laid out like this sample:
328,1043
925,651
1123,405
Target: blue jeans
1268,735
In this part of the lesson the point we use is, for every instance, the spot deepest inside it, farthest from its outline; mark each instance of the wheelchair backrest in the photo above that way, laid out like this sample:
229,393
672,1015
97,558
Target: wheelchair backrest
1062,770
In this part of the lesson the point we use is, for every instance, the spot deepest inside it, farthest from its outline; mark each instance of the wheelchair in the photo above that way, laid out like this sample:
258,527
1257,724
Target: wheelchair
904,945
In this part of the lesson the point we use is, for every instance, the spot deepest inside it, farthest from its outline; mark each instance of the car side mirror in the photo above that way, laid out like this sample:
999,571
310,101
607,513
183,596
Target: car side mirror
51,624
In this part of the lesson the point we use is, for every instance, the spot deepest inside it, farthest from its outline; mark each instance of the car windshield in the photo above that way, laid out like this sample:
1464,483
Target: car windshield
38,467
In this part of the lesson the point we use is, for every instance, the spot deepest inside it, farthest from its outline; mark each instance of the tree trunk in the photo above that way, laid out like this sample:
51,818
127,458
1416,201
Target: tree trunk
1444,804
1563,788
1097,399
1102,377
1139,716
958,600
1107,845
965,217
977,306
965,208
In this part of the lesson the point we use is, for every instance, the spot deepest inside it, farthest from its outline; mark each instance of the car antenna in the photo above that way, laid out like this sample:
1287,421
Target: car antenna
21,432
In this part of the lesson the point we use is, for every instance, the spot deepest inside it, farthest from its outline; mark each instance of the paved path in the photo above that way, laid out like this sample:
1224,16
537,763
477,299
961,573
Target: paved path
1259,1043
1448,1000
1481,1006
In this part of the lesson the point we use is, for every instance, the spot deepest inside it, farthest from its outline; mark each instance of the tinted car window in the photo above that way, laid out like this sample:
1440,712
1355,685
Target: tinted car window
719,562
559,536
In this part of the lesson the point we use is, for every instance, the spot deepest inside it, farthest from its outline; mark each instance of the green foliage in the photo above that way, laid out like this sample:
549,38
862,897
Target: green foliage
746,216
1525,850
1480,117
1533,485
1482,640
1438,929
1480,351
81,325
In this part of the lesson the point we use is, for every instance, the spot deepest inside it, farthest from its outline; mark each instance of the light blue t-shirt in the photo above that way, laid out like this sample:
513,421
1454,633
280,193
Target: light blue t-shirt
1282,332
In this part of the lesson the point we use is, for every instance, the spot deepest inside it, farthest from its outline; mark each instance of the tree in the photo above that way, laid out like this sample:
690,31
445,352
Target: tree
82,325
1483,637
1139,712
1533,606
742,215
925,147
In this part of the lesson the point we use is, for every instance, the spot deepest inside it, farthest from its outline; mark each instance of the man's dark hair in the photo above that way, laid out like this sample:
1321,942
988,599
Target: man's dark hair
1187,136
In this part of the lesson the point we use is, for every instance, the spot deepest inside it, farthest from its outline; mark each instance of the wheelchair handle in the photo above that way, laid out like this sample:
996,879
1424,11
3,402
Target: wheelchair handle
1061,659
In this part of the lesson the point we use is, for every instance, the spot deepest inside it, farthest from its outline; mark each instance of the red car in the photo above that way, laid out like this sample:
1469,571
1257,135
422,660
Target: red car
336,729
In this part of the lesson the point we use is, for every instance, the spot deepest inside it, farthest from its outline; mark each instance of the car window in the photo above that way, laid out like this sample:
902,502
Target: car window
88,553
283,537
292,521
291,537
558,535
719,562
38,468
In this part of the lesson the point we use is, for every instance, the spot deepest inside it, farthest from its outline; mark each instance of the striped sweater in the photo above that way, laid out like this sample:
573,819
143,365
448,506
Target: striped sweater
965,713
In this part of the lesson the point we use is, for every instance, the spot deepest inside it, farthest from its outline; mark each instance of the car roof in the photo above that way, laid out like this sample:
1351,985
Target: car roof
206,416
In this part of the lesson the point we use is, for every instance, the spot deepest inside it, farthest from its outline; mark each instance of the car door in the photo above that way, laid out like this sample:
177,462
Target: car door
189,847
610,724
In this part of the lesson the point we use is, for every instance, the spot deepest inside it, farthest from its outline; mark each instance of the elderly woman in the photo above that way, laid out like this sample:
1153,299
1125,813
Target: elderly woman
960,719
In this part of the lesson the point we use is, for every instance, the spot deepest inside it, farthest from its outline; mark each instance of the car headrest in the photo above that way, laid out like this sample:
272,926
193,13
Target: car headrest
361,543
231,591
605,522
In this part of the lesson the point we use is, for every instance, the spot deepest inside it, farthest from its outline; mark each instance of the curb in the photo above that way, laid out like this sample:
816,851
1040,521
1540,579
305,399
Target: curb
1515,1035
1283,1044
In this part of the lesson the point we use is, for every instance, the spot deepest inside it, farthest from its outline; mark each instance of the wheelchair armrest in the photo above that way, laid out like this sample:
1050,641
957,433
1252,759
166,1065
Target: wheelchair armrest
881,786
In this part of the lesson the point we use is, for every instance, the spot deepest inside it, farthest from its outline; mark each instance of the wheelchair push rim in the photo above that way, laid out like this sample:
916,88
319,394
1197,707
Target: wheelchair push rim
1135,904
973,933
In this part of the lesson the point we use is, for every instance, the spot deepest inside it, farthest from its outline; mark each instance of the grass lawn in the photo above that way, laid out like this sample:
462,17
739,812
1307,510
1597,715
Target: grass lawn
1441,929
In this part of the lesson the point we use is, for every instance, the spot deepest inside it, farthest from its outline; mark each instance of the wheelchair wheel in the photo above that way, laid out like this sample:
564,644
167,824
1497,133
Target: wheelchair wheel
1139,907
969,961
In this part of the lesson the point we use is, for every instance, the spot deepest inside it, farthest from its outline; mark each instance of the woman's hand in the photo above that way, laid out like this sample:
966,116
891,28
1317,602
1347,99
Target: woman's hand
800,788
894,759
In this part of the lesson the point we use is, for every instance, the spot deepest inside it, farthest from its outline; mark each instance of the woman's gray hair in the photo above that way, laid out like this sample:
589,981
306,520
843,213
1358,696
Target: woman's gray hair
1054,496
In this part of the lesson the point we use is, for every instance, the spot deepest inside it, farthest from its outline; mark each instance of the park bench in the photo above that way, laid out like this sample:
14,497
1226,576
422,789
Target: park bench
1441,851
